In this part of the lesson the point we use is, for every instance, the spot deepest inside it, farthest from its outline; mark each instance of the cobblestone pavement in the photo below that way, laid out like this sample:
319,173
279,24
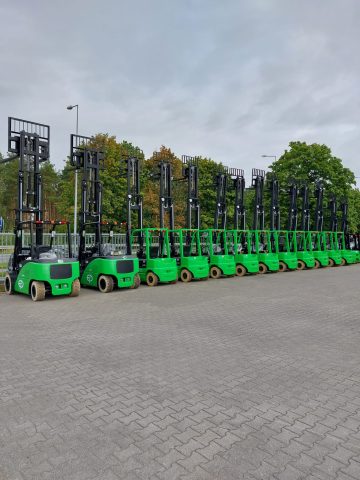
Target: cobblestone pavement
241,378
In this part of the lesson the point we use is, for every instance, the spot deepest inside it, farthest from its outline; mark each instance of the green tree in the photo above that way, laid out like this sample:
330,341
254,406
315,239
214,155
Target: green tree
313,163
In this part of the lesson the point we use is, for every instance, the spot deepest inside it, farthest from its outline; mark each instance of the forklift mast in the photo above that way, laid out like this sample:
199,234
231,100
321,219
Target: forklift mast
273,185
85,157
257,183
237,176
305,207
134,197
221,182
344,215
166,204
190,172
30,143
319,209
332,206
293,209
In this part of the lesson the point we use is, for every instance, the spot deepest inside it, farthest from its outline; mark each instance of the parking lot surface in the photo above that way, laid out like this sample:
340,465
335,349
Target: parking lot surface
239,378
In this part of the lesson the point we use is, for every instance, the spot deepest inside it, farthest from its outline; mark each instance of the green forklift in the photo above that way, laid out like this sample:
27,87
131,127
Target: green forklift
186,245
331,236
285,240
39,265
241,241
304,244
319,243
214,241
104,265
265,241
348,255
151,245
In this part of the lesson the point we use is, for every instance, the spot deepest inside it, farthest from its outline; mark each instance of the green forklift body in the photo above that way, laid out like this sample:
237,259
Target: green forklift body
287,248
266,247
122,268
58,276
214,245
304,248
350,256
332,245
153,250
320,251
189,253
242,244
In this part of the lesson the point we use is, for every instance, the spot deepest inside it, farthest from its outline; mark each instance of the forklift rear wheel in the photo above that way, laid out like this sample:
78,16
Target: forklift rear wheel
282,266
137,281
343,262
8,285
215,272
262,268
240,270
186,275
37,291
300,265
106,283
151,279
317,264
75,288
331,263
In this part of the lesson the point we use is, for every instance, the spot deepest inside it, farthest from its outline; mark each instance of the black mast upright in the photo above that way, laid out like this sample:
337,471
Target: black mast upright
319,208
344,215
190,172
273,184
332,206
221,182
30,143
89,159
237,175
258,184
305,207
293,209
134,200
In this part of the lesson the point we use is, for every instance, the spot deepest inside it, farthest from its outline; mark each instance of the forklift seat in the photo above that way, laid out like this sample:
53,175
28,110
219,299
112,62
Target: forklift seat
187,250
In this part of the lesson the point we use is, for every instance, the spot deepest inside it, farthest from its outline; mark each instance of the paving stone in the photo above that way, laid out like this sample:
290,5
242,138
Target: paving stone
197,381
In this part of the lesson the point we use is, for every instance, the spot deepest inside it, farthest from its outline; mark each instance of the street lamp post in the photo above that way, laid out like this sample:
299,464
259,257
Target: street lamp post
269,156
70,107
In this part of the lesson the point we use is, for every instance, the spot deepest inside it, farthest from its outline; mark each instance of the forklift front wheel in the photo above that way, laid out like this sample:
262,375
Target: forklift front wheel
106,283
317,264
300,265
186,275
137,281
151,279
262,268
240,270
75,288
331,263
343,262
282,266
215,272
37,291
9,290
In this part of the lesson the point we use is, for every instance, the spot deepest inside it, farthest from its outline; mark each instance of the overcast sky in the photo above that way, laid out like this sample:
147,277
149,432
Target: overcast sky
230,79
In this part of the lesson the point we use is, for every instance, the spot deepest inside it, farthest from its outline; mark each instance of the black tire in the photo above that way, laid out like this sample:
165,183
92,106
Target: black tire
282,266
186,276
137,281
317,264
151,279
263,268
37,291
8,284
301,265
240,270
331,263
215,272
105,283
75,288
